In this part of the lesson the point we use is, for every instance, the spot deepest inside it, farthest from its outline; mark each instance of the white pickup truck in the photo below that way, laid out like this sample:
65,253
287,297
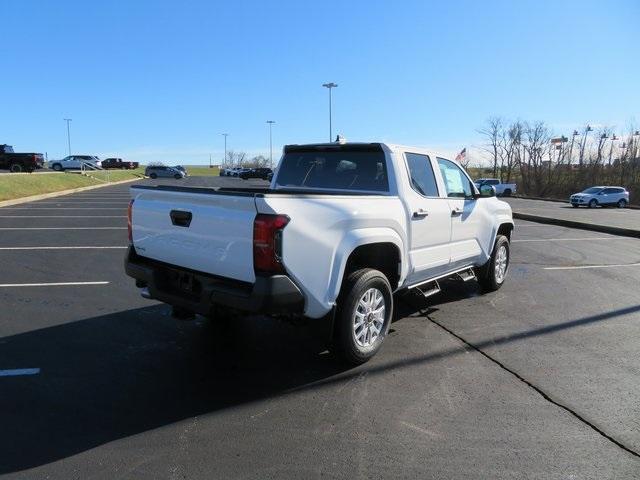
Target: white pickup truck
340,229
502,189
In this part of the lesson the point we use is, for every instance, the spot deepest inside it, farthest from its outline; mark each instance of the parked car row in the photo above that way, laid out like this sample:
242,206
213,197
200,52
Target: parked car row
246,173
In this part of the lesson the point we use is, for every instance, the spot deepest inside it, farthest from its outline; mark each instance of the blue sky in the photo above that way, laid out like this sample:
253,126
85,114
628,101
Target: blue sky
161,80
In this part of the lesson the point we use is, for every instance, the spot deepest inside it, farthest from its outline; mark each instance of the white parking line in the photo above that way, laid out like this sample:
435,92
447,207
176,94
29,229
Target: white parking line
567,239
81,202
19,371
63,208
63,228
60,248
63,216
584,267
54,284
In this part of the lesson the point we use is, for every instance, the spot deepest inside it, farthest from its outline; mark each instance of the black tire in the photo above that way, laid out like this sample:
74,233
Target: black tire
354,288
622,203
57,167
507,193
153,175
16,168
574,205
593,203
486,275
177,177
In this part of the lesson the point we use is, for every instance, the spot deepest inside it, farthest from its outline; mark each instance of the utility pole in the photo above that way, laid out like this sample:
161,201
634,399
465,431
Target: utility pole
270,122
330,86
225,135
68,120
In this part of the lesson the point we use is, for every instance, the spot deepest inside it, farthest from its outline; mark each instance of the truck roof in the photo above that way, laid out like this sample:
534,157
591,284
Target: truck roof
363,145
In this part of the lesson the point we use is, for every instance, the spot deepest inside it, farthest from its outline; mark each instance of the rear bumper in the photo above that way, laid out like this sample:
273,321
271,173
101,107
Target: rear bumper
275,294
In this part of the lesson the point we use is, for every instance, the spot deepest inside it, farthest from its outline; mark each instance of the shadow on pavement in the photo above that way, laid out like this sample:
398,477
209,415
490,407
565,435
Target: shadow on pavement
117,375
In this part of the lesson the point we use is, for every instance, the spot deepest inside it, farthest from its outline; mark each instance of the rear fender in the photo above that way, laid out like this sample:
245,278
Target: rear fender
354,239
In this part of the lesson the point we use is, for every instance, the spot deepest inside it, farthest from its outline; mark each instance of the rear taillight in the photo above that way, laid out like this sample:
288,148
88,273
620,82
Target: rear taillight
267,243
129,224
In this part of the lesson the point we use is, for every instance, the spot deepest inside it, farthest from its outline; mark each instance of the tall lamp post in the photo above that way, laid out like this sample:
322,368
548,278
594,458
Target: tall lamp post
270,122
587,129
330,86
68,120
225,135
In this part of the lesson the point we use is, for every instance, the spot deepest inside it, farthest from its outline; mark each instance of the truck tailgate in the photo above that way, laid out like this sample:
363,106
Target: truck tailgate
208,232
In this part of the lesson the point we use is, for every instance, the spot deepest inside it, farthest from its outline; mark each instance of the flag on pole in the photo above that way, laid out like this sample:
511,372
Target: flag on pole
462,155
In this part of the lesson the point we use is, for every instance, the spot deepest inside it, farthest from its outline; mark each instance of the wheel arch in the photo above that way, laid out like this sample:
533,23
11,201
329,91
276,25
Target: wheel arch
380,248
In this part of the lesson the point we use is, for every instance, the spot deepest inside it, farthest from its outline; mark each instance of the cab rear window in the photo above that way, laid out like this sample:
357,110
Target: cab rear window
334,169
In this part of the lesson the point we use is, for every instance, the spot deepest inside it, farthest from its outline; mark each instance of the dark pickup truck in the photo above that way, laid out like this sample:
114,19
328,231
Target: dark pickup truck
119,163
19,162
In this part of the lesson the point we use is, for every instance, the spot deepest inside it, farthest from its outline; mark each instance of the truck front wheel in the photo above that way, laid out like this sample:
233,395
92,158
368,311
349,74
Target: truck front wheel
363,315
15,167
491,275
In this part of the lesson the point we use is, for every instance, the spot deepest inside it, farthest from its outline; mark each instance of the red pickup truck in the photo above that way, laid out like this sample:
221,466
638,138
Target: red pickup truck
19,162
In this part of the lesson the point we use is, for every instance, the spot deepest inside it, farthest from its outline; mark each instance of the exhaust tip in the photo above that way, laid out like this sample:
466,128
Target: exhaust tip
144,293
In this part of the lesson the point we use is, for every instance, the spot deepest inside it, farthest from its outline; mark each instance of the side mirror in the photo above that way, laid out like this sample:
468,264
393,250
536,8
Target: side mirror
487,191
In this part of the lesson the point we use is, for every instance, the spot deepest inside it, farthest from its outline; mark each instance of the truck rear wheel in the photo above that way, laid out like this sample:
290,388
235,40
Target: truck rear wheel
15,167
491,275
363,315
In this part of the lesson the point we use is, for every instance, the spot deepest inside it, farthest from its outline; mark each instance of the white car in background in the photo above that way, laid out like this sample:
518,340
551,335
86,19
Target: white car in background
601,196
76,162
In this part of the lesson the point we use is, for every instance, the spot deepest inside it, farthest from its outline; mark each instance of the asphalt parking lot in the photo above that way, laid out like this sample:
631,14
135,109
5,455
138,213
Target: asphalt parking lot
538,380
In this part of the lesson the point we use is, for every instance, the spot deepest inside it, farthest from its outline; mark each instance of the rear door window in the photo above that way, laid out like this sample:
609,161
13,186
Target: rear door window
421,174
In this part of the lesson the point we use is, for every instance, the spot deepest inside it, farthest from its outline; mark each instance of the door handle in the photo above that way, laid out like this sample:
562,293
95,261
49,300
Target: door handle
456,211
420,213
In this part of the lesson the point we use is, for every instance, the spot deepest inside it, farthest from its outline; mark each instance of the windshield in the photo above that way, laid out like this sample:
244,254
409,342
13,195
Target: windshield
339,169
592,190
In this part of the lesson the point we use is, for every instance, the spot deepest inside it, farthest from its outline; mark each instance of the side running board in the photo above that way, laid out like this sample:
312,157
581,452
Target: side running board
429,289
466,275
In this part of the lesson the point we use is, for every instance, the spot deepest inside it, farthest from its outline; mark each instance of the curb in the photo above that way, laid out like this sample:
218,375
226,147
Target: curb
623,232
33,198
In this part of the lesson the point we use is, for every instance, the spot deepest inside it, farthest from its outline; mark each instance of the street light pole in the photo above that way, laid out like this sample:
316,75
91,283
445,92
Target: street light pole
68,120
270,122
587,129
225,135
330,86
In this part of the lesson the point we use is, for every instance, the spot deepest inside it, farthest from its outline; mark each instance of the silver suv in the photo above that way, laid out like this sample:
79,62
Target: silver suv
601,196
162,171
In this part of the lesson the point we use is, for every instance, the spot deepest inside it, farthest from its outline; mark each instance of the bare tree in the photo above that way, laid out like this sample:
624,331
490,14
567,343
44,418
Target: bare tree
493,132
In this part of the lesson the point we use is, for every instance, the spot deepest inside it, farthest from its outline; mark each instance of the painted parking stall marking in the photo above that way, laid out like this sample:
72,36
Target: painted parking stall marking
586,267
51,284
63,228
65,248
16,372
